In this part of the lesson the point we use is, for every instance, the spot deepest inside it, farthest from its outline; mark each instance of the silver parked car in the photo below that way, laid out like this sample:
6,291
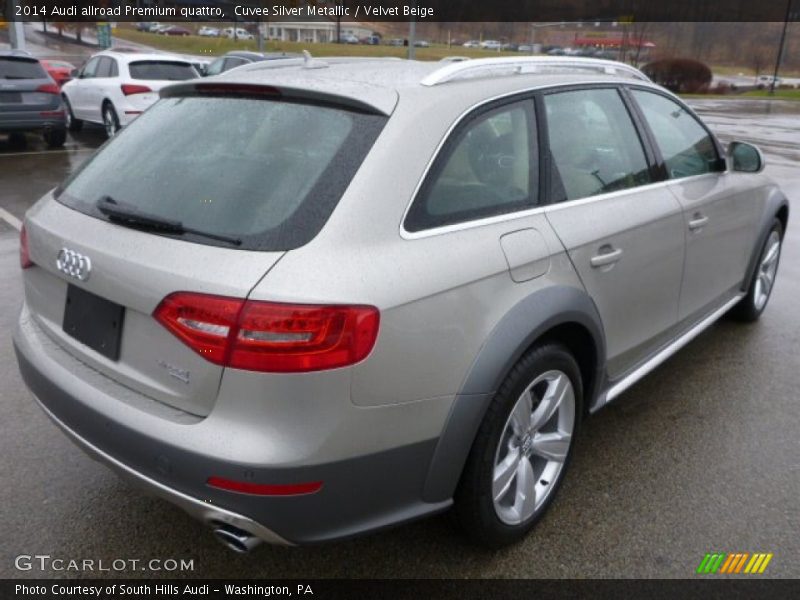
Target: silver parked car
368,290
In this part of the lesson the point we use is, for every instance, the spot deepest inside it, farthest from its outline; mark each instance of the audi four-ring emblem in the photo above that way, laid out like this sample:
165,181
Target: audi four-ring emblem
74,264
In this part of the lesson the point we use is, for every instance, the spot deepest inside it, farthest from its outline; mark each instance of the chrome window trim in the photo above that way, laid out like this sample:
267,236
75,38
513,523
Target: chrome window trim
519,214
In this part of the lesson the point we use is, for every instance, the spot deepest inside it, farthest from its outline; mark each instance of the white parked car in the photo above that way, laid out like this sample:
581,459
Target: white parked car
113,87
472,44
241,34
208,31
491,45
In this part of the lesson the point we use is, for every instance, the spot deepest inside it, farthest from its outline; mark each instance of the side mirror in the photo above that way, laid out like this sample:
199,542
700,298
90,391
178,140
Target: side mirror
745,158
75,73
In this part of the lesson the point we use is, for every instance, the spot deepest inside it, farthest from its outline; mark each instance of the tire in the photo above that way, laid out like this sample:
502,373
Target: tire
55,138
488,504
110,120
73,124
752,305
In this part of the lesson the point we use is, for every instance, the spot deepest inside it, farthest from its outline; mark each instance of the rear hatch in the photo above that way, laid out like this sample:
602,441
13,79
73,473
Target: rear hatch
25,88
150,75
202,194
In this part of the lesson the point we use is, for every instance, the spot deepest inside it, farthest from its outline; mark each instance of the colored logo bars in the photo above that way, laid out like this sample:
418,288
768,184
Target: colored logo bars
739,562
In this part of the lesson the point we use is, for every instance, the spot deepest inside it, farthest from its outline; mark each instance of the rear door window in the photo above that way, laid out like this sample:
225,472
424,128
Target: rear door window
90,68
485,169
20,68
593,144
266,172
156,70
103,67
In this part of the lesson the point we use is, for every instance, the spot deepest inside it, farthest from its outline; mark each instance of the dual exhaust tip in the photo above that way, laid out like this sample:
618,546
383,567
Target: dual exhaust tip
234,538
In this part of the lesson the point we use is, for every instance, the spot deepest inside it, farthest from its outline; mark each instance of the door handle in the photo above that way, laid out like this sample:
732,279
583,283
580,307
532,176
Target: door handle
698,221
608,256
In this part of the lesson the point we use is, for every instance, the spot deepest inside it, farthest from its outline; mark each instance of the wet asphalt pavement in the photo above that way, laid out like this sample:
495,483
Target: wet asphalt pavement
703,455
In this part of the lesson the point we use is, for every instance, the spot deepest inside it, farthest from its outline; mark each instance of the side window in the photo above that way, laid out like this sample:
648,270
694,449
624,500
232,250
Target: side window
90,68
593,144
231,63
103,68
114,69
215,68
485,169
686,146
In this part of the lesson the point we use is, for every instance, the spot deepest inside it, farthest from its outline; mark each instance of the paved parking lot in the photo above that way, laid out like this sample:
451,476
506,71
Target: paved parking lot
703,455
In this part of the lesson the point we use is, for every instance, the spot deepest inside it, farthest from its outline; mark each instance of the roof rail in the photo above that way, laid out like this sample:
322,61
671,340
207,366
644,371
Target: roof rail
307,61
512,65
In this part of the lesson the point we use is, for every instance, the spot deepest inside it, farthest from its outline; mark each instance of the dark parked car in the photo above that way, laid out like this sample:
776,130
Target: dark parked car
30,99
234,59
175,30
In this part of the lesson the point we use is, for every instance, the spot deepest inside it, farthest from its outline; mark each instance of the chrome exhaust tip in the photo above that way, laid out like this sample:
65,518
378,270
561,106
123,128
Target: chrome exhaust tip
234,538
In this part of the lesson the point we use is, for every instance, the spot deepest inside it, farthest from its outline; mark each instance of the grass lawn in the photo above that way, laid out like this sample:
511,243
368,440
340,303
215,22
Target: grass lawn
192,44
779,95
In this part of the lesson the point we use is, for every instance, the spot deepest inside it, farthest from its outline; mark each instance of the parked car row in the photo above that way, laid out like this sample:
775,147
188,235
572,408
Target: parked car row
205,31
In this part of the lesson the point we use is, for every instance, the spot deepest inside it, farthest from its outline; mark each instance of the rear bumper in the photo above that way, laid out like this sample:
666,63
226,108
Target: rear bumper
357,495
27,122
204,511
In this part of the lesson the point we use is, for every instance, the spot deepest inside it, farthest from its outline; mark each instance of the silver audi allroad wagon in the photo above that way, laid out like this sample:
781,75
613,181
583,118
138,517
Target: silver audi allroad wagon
308,299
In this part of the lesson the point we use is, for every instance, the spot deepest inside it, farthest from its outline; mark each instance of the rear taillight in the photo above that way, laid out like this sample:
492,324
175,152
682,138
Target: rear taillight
130,88
49,88
24,254
269,336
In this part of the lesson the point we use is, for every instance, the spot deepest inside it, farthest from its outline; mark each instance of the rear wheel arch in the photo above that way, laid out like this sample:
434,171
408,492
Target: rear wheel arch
563,315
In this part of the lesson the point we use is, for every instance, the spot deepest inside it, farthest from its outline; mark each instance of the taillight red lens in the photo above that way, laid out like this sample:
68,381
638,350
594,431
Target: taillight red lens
130,88
202,322
24,254
269,336
49,88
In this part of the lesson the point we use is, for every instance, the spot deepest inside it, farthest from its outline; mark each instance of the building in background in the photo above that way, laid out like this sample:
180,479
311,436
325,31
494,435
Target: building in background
313,30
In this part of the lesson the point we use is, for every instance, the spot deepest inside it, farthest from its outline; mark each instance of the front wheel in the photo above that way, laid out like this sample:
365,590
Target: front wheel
753,304
110,120
522,448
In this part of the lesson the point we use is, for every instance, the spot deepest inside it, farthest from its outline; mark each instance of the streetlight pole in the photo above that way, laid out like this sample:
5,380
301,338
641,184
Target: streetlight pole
16,31
412,34
781,47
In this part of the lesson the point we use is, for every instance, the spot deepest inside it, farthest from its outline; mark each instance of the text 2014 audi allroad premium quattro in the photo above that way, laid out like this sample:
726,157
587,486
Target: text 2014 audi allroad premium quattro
312,299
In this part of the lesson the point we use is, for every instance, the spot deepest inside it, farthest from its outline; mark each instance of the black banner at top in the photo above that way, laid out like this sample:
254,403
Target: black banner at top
404,10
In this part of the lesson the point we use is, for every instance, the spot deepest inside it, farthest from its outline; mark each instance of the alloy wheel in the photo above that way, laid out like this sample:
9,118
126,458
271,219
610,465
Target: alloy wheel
533,447
765,277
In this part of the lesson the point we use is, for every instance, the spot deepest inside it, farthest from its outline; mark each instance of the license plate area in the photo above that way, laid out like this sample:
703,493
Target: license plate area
94,321
10,98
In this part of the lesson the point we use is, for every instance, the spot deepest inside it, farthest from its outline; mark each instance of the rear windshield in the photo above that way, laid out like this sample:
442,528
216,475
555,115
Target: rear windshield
162,70
20,68
267,172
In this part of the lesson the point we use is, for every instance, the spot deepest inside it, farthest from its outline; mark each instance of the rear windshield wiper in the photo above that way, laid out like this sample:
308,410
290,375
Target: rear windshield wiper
129,215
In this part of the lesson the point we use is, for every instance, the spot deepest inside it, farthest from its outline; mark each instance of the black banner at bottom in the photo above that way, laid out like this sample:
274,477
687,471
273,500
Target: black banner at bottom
416,589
